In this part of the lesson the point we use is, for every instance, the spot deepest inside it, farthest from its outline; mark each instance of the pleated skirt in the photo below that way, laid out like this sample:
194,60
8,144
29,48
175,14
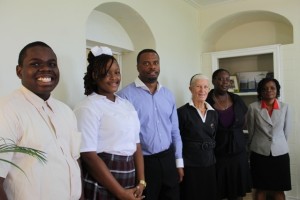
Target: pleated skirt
121,167
233,176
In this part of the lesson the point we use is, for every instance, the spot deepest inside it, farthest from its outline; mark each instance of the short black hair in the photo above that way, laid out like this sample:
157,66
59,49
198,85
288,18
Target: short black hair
145,51
261,85
28,46
216,73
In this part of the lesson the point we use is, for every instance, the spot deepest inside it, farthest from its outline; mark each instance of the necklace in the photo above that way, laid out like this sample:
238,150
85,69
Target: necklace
219,102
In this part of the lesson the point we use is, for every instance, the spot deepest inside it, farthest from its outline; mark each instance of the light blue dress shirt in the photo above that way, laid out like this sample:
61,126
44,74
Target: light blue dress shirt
158,117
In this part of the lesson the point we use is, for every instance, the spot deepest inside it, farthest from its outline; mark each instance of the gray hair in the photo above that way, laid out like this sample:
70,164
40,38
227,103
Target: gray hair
198,77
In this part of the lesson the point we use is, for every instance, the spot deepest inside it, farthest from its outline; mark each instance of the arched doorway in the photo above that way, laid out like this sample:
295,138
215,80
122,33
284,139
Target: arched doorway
121,28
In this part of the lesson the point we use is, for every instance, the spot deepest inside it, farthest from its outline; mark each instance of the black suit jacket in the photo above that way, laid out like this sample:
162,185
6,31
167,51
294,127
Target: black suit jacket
198,137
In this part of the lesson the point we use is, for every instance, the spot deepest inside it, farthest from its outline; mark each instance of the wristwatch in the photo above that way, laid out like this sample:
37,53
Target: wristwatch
143,182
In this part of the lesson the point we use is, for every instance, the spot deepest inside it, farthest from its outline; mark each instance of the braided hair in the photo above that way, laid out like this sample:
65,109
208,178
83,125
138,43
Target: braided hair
96,69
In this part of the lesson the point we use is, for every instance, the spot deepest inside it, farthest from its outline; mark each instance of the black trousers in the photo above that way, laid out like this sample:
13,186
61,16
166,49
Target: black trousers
161,176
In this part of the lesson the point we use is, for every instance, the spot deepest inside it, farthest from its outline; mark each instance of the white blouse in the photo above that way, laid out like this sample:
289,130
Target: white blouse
107,126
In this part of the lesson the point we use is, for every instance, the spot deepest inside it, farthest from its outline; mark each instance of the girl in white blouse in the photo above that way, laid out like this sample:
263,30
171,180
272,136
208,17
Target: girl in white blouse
110,151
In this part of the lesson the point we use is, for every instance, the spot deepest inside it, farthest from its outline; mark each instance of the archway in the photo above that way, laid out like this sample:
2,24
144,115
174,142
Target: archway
258,28
124,30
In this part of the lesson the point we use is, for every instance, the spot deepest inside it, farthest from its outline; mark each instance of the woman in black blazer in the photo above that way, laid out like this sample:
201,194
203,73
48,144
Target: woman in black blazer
233,173
269,124
197,124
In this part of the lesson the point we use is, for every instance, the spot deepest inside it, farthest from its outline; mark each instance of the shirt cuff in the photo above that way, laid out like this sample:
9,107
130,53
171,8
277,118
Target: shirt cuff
179,163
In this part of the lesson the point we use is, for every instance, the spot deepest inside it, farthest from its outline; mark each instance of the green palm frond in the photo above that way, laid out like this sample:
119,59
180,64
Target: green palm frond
12,164
8,146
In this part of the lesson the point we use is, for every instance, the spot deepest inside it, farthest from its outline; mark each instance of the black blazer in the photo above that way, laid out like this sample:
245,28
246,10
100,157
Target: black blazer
198,138
231,140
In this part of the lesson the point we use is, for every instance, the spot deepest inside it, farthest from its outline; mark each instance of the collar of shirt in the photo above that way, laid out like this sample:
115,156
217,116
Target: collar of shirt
203,117
35,100
139,83
208,106
275,104
94,95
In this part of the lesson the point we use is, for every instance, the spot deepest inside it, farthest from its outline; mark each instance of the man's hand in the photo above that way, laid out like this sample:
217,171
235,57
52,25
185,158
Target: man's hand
180,173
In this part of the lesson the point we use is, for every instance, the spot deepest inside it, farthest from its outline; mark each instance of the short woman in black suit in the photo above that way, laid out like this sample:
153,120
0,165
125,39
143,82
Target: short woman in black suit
197,124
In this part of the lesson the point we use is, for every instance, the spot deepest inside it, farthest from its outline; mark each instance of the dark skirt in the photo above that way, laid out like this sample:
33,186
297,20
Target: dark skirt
270,172
121,167
233,176
199,183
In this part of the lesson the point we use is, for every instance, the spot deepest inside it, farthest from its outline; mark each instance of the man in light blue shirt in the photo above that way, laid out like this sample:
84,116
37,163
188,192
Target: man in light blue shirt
159,136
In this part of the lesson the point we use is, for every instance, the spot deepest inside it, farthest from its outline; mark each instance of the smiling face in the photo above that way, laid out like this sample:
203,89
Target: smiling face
221,82
39,72
109,84
199,89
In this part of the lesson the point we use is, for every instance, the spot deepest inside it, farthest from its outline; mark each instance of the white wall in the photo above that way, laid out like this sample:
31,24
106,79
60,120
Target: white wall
53,22
263,32
62,24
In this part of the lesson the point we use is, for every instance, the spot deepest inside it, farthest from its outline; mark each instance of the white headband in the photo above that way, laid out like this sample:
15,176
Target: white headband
97,51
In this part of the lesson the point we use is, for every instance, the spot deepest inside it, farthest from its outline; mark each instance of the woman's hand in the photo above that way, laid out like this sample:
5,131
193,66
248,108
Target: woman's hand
139,190
132,194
